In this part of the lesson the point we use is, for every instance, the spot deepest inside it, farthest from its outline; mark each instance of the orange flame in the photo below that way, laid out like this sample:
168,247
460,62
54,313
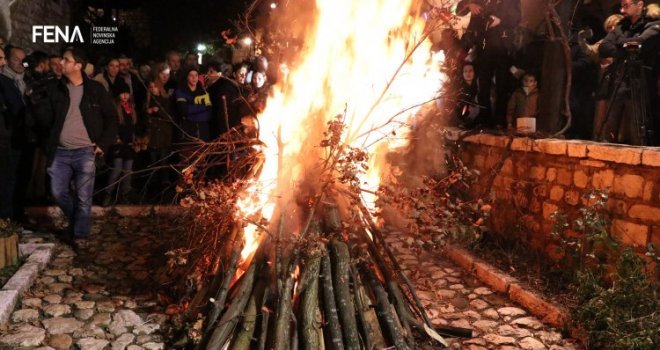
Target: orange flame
359,58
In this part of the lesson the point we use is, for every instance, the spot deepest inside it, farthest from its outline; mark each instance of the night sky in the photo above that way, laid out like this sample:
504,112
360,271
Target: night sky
179,24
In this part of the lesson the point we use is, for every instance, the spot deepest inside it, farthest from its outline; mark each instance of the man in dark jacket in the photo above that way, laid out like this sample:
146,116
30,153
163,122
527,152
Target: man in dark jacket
490,33
82,120
634,44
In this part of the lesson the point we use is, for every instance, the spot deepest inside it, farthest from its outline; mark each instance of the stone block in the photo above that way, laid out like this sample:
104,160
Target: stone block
553,147
507,167
473,138
565,177
41,257
655,236
479,161
593,163
618,207
548,210
540,190
572,197
651,157
615,153
23,278
29,248
537,173
523,144
8,300
630,185
645,212
551,174
556,193
577,149
493,140
580,179
648,191
535,304
495,279
603,179
461,257
630,233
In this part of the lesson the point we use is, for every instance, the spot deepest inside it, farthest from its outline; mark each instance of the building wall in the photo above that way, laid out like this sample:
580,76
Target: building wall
543,176
26,13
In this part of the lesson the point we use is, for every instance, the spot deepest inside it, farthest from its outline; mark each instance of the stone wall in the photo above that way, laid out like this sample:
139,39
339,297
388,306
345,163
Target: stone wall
26,13
543,176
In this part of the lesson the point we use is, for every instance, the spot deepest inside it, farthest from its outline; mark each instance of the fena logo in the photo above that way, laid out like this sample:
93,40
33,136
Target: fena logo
53,34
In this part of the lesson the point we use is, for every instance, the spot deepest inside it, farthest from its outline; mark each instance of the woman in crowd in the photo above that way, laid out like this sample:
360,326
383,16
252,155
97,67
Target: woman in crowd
159,123
122,153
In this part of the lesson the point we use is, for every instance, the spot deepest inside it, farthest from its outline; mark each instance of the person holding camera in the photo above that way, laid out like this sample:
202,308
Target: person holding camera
633,45
82,120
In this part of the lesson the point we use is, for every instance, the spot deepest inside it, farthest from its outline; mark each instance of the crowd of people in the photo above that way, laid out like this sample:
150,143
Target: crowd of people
614,91
62,120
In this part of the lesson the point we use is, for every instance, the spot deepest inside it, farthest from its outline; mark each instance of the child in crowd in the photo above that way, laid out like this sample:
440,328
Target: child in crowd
524,101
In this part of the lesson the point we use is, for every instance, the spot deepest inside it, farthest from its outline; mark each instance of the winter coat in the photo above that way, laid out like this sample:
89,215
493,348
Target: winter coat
522,105
159,123
193,106
96,106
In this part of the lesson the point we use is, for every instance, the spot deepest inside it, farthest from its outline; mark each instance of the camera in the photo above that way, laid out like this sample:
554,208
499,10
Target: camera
632,47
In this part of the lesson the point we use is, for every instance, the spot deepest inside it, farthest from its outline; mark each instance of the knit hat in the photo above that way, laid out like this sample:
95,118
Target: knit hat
121,88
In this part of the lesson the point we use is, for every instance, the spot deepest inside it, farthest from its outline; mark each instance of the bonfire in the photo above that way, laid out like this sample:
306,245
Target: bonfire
290,254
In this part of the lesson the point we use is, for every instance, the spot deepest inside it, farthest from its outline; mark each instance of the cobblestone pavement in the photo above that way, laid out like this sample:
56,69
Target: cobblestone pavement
455,298
106,297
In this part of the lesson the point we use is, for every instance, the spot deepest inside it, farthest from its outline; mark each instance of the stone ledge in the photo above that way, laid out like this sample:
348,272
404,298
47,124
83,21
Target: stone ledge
549,313
8,300
609,152
40,255
493,277
498,280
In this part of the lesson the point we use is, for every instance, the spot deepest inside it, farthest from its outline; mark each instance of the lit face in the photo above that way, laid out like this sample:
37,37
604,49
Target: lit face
124,65
164,76
240,75
153,89
632,8
69,65
124,97
56,66
174,61
113,68
529,82
16,57
258,80
192,78
468,73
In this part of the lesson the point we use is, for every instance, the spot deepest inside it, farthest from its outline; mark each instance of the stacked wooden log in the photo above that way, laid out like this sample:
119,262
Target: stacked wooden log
334,288
8,244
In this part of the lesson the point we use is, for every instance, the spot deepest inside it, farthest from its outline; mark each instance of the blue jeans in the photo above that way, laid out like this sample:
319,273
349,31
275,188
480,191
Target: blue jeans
77,165
120,165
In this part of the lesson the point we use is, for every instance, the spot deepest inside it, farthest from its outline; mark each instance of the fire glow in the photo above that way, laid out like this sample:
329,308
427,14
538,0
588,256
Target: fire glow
360,60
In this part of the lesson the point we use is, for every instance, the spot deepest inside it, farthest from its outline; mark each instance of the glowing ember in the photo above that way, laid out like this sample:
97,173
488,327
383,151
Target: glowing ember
357,60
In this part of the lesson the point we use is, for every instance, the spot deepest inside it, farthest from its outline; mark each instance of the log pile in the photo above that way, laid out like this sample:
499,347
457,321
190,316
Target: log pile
332,287
8,243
